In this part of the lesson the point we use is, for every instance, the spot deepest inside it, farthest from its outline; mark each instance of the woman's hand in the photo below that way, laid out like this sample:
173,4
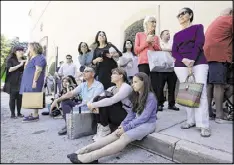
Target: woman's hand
187,62
99,59
150,38
22,63
119,131
109,55
54,104
90,106
95,110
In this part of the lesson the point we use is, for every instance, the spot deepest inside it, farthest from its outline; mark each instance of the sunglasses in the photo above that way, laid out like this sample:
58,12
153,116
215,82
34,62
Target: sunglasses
83,46
69,58
182,14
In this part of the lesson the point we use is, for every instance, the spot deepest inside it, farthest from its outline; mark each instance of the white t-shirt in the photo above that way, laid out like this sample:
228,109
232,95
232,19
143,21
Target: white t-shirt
132,67
68,69
166,45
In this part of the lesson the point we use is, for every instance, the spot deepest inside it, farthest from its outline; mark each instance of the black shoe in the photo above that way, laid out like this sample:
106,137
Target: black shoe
160,108
13,117
174,108
20,115
63,131
74,159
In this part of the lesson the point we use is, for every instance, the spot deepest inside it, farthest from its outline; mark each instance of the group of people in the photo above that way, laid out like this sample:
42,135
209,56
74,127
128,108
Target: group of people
121,91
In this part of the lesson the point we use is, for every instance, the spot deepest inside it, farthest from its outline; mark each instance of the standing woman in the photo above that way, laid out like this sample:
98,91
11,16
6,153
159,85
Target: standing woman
145,41
187,50
85,55
140,122
104,60
34,75
129,60
14,72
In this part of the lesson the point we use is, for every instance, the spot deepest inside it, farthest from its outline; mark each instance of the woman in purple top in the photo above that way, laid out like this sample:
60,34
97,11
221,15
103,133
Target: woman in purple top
139,122
33,75
187,49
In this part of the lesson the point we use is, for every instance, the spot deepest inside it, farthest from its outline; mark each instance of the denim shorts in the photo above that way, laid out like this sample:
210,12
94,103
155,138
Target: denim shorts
217,73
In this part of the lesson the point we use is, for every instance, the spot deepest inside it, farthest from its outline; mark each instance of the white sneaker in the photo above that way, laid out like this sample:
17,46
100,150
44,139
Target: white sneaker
105,131
99,126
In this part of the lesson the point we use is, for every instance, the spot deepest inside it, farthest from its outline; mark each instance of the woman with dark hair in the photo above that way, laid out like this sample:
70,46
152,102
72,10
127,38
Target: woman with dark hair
14,72
113,109
129,60
85,55
103,60
33,75
68,84
140,122
187,50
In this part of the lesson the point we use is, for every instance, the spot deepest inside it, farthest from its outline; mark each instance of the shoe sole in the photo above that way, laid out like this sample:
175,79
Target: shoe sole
30,121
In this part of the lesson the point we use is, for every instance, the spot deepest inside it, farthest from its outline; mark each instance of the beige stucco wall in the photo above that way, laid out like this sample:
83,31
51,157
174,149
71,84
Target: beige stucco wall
68,23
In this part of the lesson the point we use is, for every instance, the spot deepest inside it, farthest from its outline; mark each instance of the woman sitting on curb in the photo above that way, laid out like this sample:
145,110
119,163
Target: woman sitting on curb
112,109
139,122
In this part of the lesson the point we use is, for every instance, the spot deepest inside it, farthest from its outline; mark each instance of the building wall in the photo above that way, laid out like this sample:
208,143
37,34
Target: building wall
66,23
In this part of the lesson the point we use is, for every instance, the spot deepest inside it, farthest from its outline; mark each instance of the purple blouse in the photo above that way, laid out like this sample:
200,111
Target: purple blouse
188,43
132,120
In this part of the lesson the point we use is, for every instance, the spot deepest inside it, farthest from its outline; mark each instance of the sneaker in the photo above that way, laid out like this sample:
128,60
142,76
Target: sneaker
221,121
30,118
105,131
63,131
98,132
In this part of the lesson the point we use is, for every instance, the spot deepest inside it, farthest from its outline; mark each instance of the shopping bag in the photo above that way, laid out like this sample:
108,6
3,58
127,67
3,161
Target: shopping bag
160,61
33,100
80,123
189,94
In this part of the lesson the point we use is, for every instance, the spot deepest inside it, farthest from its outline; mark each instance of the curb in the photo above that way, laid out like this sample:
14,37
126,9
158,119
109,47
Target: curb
182,151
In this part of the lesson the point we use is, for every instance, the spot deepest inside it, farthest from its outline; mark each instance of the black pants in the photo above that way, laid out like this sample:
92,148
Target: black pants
112,115
15,97
160,79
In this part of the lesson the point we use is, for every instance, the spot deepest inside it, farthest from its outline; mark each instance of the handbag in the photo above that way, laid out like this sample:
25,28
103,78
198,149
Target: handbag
33,100
160,61
80,124
189,93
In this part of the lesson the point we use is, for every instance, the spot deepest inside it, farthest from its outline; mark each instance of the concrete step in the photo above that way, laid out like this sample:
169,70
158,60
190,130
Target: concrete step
187,146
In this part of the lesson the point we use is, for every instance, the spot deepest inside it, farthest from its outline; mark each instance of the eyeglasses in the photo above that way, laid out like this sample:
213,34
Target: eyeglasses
182,14
87,71
69,58
83,46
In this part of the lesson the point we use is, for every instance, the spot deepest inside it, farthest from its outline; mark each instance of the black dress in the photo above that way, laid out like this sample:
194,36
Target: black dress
104,68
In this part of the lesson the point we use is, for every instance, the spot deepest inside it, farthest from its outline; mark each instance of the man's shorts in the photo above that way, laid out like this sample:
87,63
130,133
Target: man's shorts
217,72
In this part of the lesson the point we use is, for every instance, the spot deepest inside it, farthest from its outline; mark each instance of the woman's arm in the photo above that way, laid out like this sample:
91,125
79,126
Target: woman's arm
156,44
124,91
175,52
81,59
95,55
14,68
150,106
89,58
130,116
40,64
199,42
118,54
139,45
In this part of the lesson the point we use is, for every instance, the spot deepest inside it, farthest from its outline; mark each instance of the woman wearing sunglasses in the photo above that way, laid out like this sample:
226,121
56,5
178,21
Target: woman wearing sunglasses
187,49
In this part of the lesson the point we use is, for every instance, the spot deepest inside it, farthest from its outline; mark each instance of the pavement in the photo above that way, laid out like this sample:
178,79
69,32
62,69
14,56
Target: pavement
169,143
187,146
38,142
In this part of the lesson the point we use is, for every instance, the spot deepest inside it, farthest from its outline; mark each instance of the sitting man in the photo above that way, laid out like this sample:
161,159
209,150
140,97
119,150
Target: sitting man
87,90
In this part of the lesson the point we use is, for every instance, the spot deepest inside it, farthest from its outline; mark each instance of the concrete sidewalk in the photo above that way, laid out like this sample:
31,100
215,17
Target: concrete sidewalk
187,146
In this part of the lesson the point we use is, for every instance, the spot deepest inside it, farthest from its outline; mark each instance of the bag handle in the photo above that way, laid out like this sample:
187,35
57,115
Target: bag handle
190,75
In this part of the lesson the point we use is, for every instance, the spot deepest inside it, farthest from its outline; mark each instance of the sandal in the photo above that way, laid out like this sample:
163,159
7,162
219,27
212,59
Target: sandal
187,125
205,132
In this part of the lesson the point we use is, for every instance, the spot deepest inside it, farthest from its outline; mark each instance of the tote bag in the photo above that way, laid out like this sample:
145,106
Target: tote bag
160,61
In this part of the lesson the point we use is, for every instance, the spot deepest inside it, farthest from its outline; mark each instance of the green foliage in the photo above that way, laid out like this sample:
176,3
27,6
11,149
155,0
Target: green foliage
5,51
131,31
